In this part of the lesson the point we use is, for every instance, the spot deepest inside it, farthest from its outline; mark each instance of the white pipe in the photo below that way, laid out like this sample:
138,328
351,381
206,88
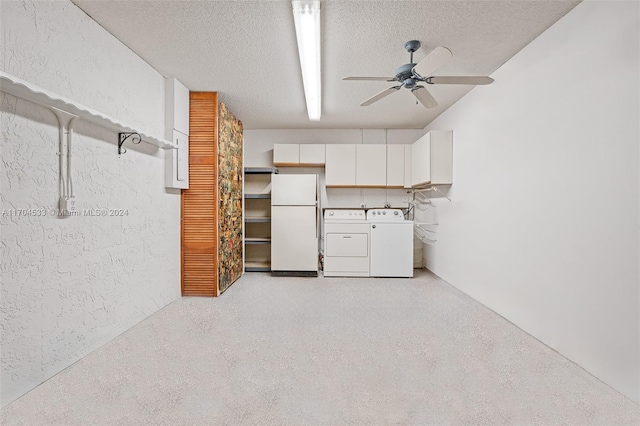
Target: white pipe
61,126
69,136
64,126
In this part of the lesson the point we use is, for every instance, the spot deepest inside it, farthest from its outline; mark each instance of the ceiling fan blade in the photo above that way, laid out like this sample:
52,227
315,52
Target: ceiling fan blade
380,95
424,97
460,80
434,60
370,78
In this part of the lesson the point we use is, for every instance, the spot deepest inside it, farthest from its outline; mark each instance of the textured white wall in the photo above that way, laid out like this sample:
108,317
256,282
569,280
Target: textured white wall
70,285
543,227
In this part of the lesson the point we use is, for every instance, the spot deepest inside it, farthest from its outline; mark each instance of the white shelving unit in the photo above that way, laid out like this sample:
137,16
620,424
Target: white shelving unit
33,93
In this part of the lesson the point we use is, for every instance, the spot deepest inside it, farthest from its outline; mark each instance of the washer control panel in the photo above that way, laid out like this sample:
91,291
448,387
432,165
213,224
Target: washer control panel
386,215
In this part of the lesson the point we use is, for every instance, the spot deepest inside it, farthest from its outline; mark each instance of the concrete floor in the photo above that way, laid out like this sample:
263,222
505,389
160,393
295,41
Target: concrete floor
325,351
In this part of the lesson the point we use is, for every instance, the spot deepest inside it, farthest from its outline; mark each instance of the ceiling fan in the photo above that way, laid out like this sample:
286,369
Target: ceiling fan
411,74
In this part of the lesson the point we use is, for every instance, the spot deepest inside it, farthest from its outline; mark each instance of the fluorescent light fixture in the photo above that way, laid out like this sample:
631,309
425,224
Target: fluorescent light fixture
306,14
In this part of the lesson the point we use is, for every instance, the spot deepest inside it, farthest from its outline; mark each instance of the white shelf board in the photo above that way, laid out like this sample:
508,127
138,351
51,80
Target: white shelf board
30,92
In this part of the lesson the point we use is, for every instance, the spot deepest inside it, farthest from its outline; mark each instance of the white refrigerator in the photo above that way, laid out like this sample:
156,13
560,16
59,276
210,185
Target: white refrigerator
294,224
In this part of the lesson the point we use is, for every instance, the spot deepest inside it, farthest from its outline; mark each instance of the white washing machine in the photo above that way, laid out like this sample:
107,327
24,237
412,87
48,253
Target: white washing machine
391,243
346,243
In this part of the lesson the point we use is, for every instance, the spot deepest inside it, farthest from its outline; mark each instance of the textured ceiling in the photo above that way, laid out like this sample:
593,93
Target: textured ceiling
246,51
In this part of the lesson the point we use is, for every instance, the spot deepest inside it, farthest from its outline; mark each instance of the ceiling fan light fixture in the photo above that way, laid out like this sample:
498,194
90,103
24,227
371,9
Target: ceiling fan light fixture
306,15
412,73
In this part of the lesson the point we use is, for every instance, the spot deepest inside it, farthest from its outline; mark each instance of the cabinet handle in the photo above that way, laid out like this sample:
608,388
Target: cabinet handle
373,226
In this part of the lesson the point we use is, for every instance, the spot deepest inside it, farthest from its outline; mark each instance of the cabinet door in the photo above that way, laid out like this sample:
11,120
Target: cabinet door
176,106
340,168
371,165
432,158
312,154
421,160
287,154
395,166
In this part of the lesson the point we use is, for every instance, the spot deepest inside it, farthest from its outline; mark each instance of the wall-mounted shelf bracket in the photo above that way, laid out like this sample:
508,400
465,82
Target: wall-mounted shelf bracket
427,188
123,136
425,234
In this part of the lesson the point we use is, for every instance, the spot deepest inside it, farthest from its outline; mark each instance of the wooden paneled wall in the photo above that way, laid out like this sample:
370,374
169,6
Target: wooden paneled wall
199,202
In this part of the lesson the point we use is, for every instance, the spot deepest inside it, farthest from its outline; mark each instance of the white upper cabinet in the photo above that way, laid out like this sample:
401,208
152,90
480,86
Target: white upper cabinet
286,154
176,107
368,165
340,168
429,160
395,166
177,131
371,165
312,154
432,158
298,155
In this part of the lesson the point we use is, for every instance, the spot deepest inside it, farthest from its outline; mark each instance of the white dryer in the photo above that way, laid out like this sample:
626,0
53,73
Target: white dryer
346,243
391,243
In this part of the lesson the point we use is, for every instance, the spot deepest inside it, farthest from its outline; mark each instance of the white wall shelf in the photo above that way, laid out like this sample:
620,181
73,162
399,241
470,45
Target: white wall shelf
33,93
